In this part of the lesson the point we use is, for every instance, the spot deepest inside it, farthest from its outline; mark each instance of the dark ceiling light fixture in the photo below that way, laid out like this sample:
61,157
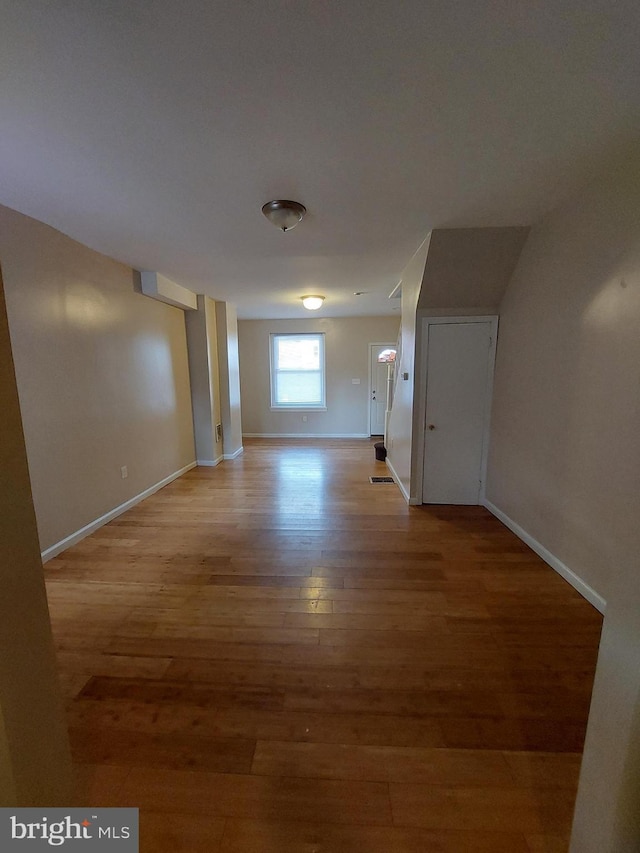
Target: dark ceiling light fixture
284,214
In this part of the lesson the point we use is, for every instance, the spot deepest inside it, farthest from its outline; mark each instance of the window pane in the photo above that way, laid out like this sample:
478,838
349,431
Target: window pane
298,387
298,353
297,370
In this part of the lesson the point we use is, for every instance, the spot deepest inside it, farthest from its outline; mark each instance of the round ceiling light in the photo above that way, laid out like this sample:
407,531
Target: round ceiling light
284,214
312,303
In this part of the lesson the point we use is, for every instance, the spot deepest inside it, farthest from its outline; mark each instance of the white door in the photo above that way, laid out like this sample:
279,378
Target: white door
459,375
378,374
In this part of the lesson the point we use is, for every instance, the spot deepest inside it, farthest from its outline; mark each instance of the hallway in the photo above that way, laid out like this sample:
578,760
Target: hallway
275,656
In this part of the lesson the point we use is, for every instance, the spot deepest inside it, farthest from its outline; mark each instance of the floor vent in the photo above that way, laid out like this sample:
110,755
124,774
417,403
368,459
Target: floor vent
381,480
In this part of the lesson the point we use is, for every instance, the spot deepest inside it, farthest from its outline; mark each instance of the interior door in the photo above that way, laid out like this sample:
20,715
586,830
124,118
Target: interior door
378,389
459,373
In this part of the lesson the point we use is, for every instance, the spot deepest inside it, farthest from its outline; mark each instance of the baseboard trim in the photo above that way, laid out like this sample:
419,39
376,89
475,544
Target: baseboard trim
234,455
73,538
209,463
398,481
563,570
306,435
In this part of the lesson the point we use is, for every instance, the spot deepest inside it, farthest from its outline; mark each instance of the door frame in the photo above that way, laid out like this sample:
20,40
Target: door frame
421,414
370,380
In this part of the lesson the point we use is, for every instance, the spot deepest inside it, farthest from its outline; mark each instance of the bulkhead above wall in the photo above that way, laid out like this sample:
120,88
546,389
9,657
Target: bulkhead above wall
468,269
164,290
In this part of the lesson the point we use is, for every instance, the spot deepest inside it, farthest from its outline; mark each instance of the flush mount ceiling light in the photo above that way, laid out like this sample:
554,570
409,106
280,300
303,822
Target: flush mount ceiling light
312,303
283,213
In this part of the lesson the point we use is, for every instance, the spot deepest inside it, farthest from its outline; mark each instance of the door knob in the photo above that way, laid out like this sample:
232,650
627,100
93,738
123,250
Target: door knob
431,426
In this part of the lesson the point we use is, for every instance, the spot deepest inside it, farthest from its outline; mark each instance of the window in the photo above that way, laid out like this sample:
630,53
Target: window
297,371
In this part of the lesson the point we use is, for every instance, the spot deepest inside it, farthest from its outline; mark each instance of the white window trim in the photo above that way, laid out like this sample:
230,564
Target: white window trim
297,407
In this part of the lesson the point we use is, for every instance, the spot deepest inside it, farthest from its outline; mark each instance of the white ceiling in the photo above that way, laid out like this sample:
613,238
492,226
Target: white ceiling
154,130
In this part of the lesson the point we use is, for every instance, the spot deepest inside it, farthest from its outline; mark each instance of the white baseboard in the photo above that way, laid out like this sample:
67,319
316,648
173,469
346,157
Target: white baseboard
233,455
563,570
398,481
211,463
305,435
73,538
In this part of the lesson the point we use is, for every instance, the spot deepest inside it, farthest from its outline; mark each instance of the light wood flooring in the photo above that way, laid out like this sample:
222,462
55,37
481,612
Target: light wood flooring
275,656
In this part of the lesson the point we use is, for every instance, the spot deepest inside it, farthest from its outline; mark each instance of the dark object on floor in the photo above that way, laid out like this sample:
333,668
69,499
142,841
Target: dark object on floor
381,479
381,451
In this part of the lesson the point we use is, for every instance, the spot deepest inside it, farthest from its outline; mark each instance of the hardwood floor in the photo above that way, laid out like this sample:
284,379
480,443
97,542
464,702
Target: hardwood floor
275,656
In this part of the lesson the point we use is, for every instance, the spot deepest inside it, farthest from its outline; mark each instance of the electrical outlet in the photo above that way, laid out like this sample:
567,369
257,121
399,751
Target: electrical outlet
218,433
304,419
124,472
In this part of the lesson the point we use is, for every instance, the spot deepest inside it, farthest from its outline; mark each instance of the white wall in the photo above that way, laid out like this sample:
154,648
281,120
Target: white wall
102,377
401,422
564,461
347,342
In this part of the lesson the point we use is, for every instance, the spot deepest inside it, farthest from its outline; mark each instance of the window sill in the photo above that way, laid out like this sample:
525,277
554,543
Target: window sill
298,408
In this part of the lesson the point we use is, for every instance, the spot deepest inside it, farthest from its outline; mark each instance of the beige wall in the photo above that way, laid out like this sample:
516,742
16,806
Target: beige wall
347,342
564,461
202,339
401,422
468,269
102,377
213,353
35,763
455,272
229,373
